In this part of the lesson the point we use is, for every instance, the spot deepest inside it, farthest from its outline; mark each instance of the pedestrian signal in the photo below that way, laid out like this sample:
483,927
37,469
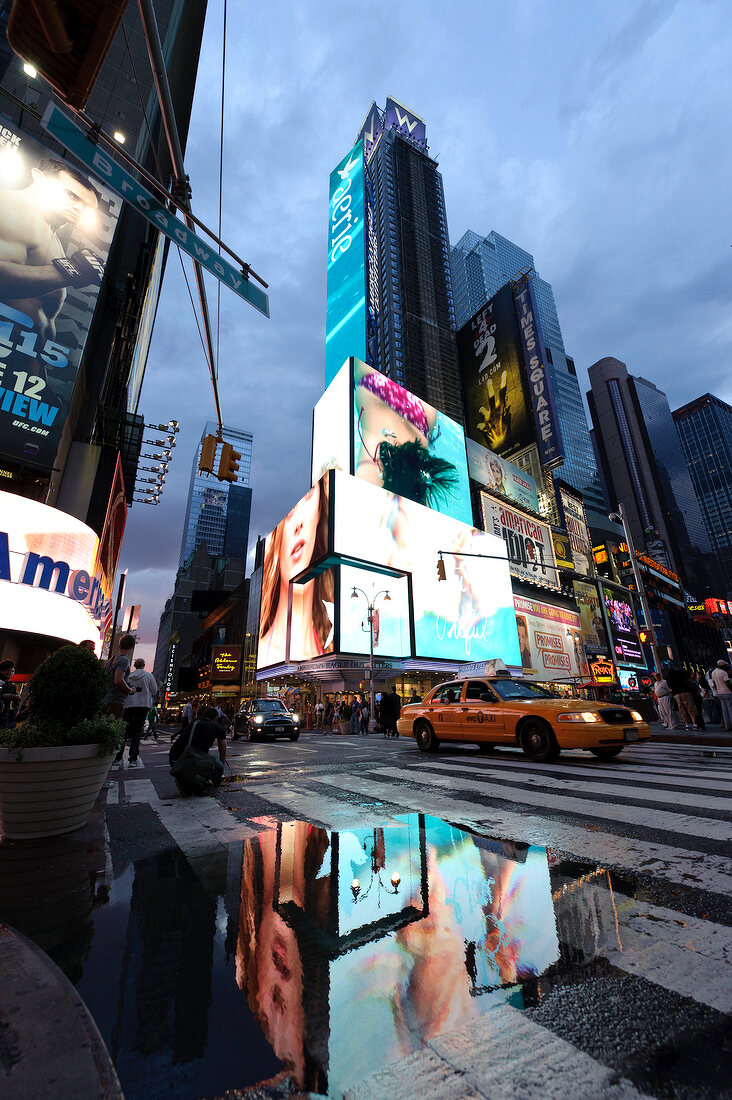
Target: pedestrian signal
441,574
643,635
228,463
208,454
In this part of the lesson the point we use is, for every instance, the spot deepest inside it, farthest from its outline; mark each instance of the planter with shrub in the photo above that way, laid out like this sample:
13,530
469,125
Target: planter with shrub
344,723
53,765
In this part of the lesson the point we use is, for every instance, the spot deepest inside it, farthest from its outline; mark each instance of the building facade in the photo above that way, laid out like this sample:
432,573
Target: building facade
645,471
480,267
705,431
218,513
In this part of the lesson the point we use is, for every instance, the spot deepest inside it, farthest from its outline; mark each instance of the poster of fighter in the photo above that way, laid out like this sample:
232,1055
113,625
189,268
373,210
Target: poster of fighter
56,227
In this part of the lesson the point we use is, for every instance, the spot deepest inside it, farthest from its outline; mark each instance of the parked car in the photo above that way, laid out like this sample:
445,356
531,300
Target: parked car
259,719
501,711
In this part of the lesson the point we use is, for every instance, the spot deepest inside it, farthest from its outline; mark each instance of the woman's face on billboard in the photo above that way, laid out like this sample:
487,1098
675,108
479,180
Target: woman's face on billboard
298,535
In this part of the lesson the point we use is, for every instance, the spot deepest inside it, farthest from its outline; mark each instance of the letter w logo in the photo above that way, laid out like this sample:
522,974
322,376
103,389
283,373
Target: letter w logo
405,120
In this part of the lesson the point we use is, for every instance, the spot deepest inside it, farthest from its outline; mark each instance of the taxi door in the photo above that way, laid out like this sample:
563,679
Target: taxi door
480,719
444,711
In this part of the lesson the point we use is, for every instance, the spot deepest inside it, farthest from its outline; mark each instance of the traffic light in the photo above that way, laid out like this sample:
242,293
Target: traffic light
644,636
441,574
208,454
228,463
65,42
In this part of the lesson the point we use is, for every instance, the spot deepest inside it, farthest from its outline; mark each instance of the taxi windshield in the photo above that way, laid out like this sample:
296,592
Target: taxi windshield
512,689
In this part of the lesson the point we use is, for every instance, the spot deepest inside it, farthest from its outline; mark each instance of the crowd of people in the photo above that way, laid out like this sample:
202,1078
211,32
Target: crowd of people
691,701
356,714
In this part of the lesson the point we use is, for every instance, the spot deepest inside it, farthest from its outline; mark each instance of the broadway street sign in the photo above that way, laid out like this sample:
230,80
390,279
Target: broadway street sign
65,130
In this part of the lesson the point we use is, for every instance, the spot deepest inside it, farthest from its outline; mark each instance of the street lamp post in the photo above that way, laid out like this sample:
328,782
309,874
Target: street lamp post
619,517
371,605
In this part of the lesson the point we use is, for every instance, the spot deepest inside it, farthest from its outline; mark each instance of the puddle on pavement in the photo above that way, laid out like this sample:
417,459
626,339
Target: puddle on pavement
324,955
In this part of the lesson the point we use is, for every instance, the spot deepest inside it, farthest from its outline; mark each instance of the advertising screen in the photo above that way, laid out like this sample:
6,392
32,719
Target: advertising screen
629,681
550,640
541,390
497,410
623,629
50,578
497,475
407,447
575,522
56,227
468,617
391,617
298,617
592,624
528,541
225,663
332,427
345,328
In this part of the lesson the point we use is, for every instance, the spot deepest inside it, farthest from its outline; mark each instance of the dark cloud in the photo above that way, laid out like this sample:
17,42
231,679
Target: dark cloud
590,135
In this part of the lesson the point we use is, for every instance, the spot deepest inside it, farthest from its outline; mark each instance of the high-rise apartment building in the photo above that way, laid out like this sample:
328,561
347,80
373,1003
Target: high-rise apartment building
218,513
705,430
480,267
412,315
645,471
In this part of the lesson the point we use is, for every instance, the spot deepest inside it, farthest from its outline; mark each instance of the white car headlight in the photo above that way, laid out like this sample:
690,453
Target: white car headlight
295,719
258,719
579,716
636,716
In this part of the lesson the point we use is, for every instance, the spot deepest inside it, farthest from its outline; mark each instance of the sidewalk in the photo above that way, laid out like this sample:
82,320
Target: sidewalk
713,736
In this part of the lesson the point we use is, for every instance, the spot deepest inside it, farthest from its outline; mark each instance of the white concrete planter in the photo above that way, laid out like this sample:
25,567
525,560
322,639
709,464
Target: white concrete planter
49,791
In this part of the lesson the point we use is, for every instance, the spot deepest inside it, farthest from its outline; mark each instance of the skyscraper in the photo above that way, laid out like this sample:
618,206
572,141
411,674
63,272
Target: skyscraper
705,430
480,267
411,316
217,513
645,470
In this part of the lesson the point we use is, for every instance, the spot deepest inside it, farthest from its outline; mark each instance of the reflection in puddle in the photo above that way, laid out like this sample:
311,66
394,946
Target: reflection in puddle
321,955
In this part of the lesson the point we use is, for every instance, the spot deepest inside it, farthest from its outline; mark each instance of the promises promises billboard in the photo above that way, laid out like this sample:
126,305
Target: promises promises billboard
497,411
56,227
529,542
551,640
345,328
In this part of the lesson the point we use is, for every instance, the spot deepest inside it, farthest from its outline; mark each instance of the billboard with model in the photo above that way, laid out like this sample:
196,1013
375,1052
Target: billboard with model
56,228
497,475
551,640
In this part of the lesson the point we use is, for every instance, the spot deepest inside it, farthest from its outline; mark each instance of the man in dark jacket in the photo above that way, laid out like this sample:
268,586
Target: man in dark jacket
201,733
679,681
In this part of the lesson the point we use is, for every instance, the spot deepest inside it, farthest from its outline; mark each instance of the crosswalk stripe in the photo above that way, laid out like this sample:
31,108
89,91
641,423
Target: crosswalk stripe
673,864
644,793
665,820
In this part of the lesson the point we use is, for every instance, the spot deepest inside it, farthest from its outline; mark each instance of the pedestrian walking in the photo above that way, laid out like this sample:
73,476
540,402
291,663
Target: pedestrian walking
364,717
136,709
662,695
118,688
722,689
152,722
319,708
8,695
395,709
355,715
328,713
679,681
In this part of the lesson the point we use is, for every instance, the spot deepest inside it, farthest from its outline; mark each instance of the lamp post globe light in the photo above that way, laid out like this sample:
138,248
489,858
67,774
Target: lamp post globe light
371,606
619,517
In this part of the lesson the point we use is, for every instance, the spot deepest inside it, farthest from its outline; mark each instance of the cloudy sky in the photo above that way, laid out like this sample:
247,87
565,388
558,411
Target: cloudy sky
594,135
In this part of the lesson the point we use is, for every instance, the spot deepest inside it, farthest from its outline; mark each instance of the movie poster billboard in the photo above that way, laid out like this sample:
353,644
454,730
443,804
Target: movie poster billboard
541,389
550,638
592,623
296,621
467,617
345,326
498,475
623,628
528,541
56,228
575,522
497,409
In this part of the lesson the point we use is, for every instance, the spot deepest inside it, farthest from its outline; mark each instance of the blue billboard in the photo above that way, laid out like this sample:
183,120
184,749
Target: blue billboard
345,328
543,404
398,117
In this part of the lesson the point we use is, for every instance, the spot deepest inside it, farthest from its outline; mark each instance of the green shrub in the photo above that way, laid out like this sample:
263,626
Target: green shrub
105,730
68,687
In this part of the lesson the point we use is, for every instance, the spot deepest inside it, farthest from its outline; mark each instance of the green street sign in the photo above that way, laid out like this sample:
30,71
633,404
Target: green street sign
73,138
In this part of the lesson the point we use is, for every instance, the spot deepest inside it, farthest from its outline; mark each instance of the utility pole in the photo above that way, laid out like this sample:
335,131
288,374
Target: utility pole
619,517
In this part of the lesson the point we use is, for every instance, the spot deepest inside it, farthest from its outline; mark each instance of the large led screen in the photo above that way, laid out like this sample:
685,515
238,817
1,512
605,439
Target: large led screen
332,427
57,227
623,629
298,618
390,617
592,624
551,641
345,328
528,541
467,617
497,409
497,475
407,447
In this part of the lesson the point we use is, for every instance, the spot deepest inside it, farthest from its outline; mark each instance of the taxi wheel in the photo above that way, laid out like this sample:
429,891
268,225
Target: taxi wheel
607,754
538,742
425,737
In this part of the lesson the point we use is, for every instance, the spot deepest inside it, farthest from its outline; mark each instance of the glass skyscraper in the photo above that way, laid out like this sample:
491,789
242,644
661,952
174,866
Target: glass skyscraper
218,512
480,267
705,430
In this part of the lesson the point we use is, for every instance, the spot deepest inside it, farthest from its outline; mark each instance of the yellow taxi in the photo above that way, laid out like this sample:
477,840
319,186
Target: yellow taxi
497,710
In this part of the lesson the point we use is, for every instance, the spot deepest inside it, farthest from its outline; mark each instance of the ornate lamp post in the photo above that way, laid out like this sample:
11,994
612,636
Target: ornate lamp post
371,605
